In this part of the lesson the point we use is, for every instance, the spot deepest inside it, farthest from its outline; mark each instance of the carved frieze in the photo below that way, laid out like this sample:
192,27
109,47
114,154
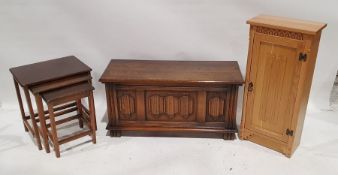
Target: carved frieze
280,33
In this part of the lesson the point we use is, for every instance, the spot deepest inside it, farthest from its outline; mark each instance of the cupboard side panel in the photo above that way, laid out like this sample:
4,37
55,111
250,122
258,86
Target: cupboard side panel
242,133
304,90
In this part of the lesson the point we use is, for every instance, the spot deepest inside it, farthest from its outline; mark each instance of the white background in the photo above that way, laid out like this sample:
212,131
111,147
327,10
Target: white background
97,31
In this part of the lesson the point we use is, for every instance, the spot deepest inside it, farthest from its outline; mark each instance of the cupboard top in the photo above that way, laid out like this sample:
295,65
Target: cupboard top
302,26
144,72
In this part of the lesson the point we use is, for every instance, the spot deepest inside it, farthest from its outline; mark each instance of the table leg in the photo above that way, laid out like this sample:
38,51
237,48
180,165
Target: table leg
42,119
22,111
92,116
91,83
31,112
79,111
54,132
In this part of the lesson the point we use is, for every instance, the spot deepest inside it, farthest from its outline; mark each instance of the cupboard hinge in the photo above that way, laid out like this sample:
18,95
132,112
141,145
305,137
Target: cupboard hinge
289,132
302,57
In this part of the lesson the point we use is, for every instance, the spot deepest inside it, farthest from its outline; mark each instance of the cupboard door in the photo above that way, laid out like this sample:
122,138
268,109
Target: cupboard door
274,74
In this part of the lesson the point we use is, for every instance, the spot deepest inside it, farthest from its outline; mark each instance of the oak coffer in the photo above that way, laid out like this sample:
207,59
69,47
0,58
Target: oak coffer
172,96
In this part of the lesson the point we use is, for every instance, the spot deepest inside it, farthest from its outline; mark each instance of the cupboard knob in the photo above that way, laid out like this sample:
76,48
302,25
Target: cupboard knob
250,87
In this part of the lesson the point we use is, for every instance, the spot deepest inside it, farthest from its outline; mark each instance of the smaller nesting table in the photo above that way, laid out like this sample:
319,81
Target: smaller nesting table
63,96
172,96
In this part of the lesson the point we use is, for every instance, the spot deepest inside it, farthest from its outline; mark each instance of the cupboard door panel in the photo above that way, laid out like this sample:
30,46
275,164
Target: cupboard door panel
275,71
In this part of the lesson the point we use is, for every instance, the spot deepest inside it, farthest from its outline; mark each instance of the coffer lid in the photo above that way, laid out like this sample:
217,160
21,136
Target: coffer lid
296,25
167,72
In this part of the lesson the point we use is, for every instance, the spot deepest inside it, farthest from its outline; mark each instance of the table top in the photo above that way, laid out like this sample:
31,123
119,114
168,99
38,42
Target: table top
145,72
42,72
67,91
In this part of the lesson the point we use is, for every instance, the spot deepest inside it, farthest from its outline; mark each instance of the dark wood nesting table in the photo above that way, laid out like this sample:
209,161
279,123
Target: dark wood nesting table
41,77
172,96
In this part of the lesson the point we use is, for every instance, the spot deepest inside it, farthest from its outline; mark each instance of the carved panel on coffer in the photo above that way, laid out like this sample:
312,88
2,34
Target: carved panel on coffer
126,105
170,106
217,106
